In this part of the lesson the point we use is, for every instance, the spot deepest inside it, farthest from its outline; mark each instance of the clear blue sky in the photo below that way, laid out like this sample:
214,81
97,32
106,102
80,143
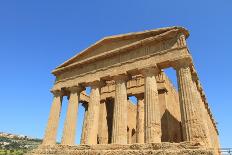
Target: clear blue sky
36,36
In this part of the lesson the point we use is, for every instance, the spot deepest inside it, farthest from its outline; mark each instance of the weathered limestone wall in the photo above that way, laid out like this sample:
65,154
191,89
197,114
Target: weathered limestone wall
105,128
131,122
170,112
130,65
132,149
213,135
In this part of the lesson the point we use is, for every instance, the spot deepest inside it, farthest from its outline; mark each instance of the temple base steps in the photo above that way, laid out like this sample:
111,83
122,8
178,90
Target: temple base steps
165,148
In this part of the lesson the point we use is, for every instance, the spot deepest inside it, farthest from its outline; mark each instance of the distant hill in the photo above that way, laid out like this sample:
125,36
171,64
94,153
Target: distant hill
11,144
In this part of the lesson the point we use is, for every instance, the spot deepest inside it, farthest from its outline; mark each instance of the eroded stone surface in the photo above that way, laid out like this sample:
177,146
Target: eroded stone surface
131,65
133,149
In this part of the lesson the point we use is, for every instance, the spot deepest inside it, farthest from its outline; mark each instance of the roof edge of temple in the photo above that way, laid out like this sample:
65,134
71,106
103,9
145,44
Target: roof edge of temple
122,36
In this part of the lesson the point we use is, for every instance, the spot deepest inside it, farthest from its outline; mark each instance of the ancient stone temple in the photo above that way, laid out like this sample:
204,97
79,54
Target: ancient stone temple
164,120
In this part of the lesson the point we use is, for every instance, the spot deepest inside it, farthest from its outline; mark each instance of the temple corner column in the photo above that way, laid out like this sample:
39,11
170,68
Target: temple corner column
191,124
53,121
69,133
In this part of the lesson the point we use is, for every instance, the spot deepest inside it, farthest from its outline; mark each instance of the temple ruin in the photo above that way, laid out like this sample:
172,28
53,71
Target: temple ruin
120,66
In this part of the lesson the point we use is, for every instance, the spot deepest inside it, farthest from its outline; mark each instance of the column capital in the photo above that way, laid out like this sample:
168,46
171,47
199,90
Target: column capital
177,64
75,89
150,71
57,92
121,77
97,83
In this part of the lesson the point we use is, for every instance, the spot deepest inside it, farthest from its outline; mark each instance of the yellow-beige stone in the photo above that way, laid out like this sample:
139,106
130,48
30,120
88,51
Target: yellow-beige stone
132,65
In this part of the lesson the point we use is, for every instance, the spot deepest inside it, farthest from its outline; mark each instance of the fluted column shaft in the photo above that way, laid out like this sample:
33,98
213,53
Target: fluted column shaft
103,127
152,121
191,126
93,114
69,133
119,131
83,133
53,121
140,120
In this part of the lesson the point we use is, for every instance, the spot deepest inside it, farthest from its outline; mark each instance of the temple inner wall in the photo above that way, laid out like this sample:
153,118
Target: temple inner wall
169,109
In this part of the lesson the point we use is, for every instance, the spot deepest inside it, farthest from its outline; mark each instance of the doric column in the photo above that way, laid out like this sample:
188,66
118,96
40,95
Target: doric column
93,114
83,133
191,126
53,121
140,119
119,131
152,120
69,132
103,127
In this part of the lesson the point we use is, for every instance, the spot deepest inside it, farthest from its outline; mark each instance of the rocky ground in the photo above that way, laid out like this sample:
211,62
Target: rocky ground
11,144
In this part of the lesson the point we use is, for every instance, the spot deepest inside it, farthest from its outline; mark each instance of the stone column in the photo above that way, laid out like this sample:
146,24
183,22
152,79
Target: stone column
83,133
140,119
152,120
53,121
103,127
119,131
191,126
93,114
69,133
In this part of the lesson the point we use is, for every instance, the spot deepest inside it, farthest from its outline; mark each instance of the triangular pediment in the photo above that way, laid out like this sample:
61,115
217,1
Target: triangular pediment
114,42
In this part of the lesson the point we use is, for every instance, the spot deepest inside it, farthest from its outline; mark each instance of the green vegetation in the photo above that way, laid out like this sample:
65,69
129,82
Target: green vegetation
12,152
17,145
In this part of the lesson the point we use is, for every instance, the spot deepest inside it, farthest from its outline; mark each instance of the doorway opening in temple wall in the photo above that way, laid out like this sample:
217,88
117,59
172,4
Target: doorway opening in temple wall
169,106
132,119
62,119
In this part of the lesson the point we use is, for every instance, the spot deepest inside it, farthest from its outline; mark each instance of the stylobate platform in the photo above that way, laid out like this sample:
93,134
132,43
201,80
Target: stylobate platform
132,149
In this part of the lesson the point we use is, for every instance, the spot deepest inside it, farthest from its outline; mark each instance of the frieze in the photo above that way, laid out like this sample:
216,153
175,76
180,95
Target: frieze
120,58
